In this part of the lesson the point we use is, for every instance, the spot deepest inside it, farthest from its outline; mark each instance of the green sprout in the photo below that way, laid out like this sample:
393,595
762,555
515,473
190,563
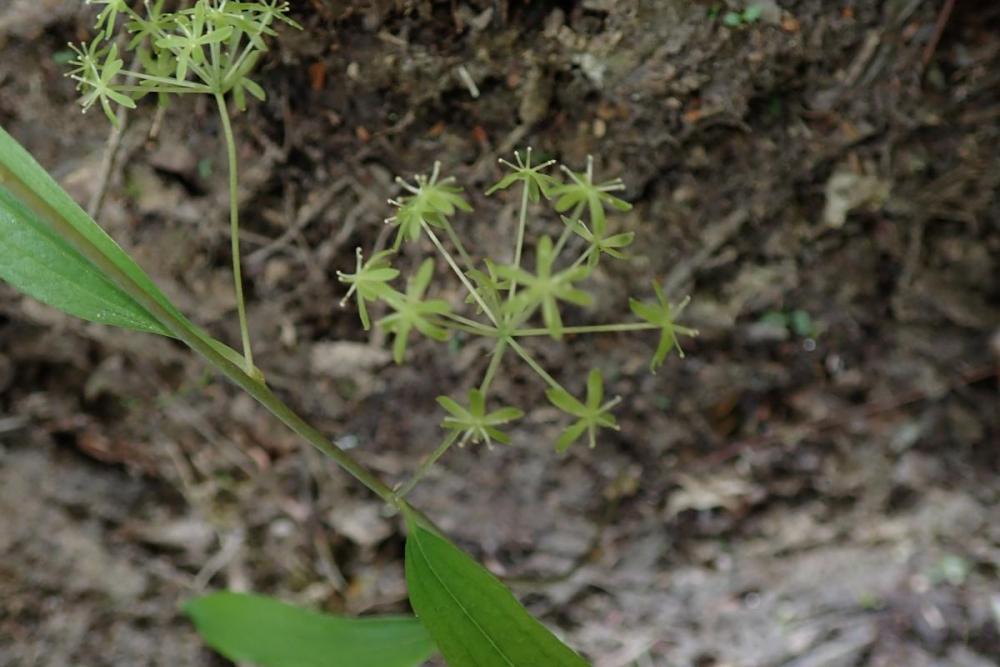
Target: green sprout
504,298
209,48
748,16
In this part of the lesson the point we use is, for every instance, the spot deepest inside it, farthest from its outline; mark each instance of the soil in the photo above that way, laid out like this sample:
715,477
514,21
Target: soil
814,485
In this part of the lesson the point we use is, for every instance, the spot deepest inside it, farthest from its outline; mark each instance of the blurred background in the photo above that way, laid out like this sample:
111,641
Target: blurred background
814,485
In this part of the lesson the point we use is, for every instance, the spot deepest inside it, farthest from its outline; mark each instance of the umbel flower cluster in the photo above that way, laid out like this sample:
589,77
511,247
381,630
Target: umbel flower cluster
210,47
507,300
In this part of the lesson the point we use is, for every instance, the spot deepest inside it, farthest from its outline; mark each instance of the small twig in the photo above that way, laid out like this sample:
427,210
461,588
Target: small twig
487,162
306,214
714,237
942,22
108,164
469,82
231,543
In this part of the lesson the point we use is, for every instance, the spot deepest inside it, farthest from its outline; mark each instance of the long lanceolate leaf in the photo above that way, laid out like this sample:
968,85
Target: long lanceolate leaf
37,262
474,619
41,263
270,633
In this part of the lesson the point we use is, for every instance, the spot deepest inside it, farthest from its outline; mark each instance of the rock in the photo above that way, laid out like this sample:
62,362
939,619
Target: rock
345,359
362,523
847,191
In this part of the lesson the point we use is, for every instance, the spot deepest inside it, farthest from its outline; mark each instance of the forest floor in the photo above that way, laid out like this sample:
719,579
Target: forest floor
815,485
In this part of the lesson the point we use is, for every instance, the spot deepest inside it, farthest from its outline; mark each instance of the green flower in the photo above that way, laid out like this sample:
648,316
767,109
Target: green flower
413,312
251,19
599,242
663,315
96,79
591,416
218,41
534,180
431,202
242,20
545,287
194,35
370,281
582,191
474,422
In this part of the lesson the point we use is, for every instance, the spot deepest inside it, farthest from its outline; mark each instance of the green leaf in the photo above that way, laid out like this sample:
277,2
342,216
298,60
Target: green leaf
562,400
473,618
595,388
38,262
270,633
570,435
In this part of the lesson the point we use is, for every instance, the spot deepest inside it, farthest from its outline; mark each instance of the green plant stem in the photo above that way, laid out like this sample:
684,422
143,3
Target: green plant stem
427,464
470,326
535,366
458,272
522,221
459,246
593,328
234,229
160,90
191,86
567,230
583,257
216,64
491,370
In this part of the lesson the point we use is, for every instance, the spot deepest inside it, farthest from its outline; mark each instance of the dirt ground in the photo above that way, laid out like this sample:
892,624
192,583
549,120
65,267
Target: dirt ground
815,485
